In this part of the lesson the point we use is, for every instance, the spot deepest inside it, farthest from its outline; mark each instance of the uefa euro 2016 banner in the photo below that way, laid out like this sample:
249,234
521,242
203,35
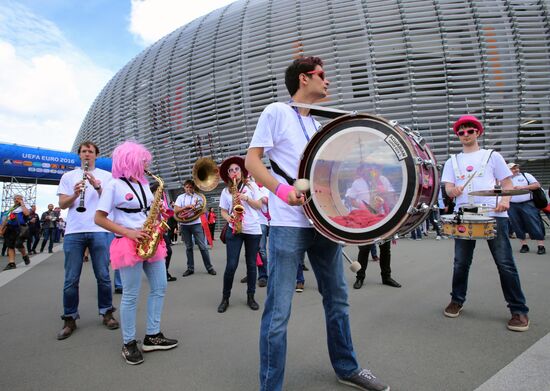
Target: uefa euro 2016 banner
45,166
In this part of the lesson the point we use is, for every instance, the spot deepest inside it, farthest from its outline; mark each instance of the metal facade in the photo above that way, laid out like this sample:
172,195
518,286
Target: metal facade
199,90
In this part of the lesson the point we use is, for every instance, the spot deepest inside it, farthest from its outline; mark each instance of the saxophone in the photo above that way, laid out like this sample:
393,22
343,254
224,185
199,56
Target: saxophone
155,225
238,209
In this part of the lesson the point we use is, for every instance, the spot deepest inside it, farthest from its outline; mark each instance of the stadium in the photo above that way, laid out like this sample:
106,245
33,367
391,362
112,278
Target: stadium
199,90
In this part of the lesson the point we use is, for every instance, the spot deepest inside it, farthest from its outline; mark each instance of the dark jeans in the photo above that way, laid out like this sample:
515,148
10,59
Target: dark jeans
385,259
502,254
187,233
32,240
262,270
233,245
525,218
212,228
168,250
49,234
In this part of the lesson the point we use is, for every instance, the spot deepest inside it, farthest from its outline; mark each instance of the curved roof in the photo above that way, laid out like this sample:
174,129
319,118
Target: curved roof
199,90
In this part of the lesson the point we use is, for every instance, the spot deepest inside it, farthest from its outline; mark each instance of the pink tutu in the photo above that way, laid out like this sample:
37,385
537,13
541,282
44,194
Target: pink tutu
123,253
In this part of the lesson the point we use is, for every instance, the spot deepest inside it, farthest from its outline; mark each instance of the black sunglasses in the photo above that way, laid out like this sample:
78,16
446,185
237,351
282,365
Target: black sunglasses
469,131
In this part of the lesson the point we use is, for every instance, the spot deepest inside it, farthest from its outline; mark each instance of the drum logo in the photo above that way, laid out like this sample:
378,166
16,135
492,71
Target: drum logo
461,229
396,146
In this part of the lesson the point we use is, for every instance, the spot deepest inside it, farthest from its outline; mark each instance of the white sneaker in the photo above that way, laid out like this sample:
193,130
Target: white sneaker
438,237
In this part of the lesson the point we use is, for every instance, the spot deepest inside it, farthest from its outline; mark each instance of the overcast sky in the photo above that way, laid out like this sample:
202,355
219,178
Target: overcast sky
57,55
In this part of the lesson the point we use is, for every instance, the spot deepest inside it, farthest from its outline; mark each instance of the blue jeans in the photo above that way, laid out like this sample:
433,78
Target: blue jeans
118,280
48,234
502,254
287,247
131,285
74,246
262,270
233,245
188,232
525,218
300,273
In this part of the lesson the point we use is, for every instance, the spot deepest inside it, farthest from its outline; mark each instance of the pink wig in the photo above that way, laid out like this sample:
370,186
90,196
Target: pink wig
130,160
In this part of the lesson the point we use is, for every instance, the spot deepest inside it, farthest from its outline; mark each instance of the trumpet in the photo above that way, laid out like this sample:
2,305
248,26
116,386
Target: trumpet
81,208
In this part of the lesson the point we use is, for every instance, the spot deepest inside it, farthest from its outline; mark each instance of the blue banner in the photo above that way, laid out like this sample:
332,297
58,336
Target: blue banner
44,166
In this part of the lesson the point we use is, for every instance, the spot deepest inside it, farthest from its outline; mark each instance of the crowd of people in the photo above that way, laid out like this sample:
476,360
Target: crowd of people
261,211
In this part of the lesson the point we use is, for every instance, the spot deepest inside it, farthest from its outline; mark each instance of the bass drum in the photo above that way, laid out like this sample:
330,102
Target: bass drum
371,180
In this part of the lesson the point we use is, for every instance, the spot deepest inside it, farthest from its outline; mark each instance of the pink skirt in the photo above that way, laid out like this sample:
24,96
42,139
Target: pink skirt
123,253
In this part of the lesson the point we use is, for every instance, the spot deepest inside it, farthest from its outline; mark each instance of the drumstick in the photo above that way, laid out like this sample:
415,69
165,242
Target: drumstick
469,179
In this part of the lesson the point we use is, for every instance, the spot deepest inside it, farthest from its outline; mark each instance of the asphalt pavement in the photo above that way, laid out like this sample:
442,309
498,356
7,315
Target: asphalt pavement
399,333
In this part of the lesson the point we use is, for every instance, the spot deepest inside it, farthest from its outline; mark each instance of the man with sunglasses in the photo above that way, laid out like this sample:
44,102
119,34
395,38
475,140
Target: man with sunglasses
282,133
480,169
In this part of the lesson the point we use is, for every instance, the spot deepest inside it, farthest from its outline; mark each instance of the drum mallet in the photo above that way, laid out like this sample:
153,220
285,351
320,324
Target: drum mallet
354,266
302,186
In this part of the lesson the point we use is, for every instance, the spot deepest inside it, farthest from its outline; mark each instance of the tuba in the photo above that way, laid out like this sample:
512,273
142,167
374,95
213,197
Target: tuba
192,212
206,174
155,225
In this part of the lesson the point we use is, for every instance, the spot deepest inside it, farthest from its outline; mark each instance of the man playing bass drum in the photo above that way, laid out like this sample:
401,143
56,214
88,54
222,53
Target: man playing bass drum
282,133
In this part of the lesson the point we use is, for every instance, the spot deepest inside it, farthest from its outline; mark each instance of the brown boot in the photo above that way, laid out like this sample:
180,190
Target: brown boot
109,320
68,327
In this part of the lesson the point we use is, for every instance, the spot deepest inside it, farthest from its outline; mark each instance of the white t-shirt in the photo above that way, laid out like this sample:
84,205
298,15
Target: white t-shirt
264,193
118,194
186,200
251,223
82,221
469,163
281,136
519,180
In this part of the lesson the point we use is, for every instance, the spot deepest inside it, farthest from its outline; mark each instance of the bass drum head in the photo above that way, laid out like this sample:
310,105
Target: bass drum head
362,179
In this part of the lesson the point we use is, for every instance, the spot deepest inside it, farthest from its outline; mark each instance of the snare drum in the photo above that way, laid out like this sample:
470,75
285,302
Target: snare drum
370,179
471,226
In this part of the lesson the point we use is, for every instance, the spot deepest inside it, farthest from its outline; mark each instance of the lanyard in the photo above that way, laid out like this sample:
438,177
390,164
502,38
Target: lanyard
142,205
302,122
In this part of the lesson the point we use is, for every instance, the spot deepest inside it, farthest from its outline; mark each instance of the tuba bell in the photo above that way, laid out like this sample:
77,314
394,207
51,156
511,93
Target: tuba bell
206,174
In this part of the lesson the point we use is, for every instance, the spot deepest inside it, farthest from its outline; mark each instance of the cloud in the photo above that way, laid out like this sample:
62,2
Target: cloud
151,20
47,84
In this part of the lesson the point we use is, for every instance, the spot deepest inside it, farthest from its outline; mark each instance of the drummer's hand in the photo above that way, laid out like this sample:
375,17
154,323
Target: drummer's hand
294,200
287,193
502,206
457,191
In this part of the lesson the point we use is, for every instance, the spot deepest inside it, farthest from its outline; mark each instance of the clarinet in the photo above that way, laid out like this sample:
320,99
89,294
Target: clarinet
81,208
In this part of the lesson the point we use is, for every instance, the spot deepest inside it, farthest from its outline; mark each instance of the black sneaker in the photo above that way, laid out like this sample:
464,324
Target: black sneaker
541,250
131,353
10,266
26,259
365,380
524,249
158,342
169,277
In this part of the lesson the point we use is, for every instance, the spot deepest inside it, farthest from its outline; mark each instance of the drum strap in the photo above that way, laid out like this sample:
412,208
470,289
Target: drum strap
279,171
479,173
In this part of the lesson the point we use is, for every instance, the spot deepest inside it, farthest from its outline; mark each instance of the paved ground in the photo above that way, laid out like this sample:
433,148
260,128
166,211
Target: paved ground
400,334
